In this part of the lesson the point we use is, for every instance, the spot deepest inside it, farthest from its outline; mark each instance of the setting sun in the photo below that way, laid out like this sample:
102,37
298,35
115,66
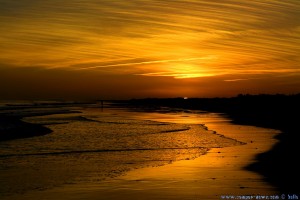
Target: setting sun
149,99
102,47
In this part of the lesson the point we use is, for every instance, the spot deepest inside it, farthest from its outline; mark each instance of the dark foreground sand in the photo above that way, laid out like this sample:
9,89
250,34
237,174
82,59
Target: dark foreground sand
219,172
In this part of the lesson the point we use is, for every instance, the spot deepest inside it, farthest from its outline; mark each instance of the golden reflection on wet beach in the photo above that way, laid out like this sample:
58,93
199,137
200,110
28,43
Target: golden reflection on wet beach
219,172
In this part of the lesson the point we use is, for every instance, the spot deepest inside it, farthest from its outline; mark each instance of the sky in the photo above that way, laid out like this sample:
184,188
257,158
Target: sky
119,49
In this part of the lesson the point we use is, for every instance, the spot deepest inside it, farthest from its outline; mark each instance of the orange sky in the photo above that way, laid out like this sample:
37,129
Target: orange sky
98,49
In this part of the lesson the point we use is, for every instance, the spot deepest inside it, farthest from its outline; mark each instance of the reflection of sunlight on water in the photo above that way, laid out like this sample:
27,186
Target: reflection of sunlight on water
95,144
184,117
79,138
218,172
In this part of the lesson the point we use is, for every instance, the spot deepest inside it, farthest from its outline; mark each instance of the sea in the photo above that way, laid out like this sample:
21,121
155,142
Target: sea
90,143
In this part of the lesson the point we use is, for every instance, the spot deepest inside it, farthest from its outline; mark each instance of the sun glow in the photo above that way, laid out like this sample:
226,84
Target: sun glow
87,48
190,71
182,68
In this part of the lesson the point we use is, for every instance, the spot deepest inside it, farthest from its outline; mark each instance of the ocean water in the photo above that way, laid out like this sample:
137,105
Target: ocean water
94,144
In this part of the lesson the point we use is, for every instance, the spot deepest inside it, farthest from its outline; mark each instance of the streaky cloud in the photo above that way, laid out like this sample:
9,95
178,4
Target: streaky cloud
146,62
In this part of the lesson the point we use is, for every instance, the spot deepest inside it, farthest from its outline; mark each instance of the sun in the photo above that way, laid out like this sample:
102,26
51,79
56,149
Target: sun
181,71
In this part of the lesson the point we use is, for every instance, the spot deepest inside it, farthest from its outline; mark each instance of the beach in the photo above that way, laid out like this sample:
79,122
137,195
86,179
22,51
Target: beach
218,172
277,166
149,99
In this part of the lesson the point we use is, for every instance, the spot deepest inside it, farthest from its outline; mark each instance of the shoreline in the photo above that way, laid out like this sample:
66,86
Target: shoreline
278,165
219,172
12,125
258,162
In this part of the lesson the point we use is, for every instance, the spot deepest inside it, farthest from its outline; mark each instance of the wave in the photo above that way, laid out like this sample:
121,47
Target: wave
99,151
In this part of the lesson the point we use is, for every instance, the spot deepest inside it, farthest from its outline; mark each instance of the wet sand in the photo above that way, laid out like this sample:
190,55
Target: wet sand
278,166
219,172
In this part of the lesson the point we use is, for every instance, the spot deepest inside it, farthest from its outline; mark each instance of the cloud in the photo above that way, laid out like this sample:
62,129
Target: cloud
238,79
150,39
147,62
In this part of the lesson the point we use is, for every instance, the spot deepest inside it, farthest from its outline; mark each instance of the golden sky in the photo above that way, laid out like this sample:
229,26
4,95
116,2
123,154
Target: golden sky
119,49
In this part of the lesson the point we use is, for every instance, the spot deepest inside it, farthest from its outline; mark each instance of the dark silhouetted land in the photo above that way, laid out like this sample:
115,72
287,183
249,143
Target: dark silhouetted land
13,127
